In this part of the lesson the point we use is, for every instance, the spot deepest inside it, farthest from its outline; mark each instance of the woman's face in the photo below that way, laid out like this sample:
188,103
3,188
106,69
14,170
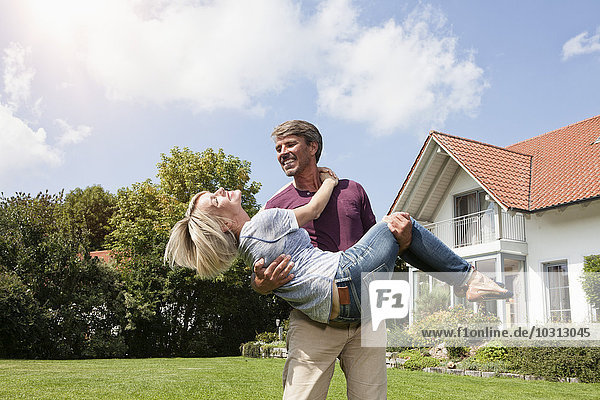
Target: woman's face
223,203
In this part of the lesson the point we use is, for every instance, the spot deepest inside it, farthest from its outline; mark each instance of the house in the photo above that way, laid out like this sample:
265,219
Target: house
106,256
526,214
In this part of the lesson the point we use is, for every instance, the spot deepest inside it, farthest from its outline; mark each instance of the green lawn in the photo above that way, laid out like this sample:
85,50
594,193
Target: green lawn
240,378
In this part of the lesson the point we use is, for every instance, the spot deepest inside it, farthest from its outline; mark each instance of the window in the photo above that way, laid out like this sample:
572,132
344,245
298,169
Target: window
557,280
595,314
474,219
514,280
488,267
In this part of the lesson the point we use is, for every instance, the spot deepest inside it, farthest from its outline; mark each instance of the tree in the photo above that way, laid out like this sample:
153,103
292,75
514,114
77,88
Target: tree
89,211
22,320
184,173
76,302
174,312
57,302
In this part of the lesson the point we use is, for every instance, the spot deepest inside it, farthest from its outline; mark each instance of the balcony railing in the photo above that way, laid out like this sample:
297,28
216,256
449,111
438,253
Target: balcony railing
480,227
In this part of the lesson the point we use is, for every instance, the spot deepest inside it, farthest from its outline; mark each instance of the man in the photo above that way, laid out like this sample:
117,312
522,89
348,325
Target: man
313,347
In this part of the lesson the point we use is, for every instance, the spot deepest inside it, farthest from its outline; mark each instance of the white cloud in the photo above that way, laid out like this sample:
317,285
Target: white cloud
401,76
23,147
581,44
234,54
17,76
215,55
72,135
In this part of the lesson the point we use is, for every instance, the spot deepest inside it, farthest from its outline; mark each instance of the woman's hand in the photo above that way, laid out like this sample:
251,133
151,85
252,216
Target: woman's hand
326,173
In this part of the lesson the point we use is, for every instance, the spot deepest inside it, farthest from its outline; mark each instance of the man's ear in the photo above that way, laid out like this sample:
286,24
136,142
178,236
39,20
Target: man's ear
313,147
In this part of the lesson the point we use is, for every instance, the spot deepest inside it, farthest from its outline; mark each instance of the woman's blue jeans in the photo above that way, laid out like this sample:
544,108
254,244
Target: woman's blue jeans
377,251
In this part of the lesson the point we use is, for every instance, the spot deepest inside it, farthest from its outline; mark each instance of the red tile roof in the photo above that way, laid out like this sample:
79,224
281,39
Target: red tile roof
104,255
566,164
558,167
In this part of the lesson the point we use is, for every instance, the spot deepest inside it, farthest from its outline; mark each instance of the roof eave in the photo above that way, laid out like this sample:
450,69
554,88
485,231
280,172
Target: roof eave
411,173
571,203
504,206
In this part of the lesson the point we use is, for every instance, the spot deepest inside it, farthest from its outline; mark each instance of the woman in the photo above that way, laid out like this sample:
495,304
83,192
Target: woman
216,228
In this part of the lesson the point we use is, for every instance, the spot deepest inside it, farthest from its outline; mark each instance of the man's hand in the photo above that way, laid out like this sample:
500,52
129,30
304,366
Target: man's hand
327,173
277,274
401,226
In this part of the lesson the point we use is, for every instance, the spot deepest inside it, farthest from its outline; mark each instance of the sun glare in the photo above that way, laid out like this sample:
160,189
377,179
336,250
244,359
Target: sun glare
61,17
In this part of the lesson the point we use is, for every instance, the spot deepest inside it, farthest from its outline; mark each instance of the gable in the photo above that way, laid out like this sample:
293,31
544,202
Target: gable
504,174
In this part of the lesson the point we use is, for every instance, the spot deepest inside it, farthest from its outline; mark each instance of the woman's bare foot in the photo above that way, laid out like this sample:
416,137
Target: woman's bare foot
481,288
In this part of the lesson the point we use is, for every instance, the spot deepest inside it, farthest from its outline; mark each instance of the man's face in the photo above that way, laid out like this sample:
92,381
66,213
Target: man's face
294,154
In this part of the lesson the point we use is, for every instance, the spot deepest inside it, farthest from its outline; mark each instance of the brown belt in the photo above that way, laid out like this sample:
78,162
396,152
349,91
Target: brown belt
344,295
341,324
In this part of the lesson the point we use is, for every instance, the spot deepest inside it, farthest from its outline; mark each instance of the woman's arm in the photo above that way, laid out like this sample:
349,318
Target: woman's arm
316,205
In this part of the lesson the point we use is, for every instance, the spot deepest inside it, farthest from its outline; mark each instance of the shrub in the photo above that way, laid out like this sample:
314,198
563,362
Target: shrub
417,360
590,280
557,362
457,352
273,345
428,303
266,337
474,364
250,349
450,319
492,351
22,319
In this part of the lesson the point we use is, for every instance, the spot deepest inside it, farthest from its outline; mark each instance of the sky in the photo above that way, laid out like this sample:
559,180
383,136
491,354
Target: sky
92,92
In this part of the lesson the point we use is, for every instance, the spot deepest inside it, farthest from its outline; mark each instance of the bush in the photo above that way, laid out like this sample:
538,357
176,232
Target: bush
457,352
451,319
428,303
259,349
273,345
266,337
250,349
417,360
492,351
554,363
590,280
474,364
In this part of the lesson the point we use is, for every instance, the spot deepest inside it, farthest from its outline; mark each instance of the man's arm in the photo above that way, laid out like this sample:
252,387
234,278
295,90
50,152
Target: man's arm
401,227
366,211
277,274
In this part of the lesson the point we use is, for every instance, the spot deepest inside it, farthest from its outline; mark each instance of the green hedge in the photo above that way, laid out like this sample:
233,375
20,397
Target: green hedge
554,363
251,349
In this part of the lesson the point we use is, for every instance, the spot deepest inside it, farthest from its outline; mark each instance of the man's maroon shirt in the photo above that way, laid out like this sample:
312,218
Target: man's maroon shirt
346,218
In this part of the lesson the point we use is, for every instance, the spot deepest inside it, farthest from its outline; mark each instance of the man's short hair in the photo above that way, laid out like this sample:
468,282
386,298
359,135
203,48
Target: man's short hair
304,129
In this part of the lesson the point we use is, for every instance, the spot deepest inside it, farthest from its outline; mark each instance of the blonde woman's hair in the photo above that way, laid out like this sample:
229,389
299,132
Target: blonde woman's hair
198,242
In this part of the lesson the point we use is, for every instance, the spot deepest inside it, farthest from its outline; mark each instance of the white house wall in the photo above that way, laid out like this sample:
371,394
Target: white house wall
462,183
562,234
567,234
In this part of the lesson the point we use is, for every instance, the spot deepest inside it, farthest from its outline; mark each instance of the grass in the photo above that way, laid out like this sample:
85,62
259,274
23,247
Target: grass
240,378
